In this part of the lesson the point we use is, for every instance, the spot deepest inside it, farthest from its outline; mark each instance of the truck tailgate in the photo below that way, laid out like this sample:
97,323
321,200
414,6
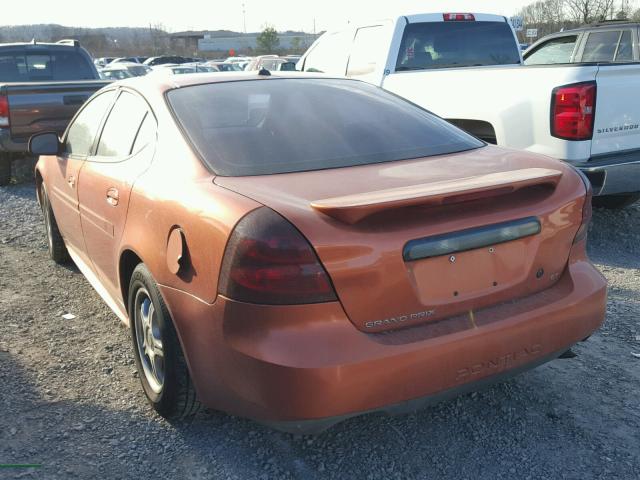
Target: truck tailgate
617,121
45,106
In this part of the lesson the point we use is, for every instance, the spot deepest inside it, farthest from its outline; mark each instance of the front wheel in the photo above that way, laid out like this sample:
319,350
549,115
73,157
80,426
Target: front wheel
159,358
616,201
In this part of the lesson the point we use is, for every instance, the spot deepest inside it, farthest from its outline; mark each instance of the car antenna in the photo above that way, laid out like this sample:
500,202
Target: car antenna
264,72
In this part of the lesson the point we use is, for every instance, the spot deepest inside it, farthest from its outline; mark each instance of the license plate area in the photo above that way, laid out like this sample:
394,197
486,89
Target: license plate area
467,275
471,263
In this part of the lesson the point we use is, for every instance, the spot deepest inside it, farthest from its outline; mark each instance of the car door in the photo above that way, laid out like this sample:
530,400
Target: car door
123,152
62,180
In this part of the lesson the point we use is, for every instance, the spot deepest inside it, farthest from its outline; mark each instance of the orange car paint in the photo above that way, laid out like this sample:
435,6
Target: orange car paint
488,311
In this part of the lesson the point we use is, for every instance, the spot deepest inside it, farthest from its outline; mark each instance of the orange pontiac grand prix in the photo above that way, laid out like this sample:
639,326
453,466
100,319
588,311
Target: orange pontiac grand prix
300,249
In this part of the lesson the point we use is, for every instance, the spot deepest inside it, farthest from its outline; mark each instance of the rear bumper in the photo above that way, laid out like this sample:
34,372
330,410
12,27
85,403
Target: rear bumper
7,144
613,174
305,368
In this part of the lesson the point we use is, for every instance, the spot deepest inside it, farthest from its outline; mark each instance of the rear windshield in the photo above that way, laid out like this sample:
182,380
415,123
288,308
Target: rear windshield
456,44
260,127
44,66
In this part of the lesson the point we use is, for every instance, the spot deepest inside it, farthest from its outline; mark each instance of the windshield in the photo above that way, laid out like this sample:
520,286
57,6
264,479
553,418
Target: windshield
260,127
456,44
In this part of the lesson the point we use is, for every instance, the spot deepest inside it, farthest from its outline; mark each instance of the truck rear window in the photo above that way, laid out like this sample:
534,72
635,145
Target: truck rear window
44,66
456,44
259,127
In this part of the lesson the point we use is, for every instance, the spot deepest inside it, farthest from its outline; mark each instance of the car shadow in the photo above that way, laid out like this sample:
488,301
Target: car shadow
457,438
612,241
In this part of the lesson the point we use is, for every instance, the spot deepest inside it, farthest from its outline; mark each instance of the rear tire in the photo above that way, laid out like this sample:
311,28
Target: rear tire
55,243
5,169
160,361
614,202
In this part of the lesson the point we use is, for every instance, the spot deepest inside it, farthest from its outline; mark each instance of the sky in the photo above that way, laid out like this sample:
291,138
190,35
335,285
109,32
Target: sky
228,14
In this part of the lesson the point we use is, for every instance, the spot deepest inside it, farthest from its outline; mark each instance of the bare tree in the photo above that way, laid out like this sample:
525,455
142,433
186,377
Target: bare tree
588,11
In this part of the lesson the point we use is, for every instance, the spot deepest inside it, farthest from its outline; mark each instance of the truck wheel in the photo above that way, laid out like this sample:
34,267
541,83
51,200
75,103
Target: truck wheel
616,201
5,169
160,361
57,249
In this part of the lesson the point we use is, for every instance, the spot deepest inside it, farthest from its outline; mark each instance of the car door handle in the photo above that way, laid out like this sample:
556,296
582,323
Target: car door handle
71,180
113,197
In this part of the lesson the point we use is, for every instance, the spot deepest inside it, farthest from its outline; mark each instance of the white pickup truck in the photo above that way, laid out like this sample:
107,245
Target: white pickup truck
468,69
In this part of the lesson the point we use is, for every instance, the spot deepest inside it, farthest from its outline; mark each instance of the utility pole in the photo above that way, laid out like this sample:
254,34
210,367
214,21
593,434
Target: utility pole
244,18
625,8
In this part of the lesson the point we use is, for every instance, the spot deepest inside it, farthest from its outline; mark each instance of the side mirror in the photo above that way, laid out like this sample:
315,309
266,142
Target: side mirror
46,143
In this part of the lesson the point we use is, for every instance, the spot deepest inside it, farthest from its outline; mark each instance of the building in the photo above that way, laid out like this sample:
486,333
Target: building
225,41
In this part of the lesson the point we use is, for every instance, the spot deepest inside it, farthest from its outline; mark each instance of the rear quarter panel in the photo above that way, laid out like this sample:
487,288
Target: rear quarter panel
178,192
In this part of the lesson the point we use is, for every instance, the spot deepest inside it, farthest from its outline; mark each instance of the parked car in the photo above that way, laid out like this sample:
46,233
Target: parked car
225,67
129,60
286,66
467,68
122,70
42,85
171,69
608,42
322,249
292,58
103,61
163,60
268,62
238,59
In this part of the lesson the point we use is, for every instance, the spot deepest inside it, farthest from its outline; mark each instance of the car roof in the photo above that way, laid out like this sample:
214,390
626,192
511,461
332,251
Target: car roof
152,84
36,45
603,25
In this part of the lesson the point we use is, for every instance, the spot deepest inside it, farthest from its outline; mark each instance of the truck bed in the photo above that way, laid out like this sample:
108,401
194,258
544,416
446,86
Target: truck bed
41,106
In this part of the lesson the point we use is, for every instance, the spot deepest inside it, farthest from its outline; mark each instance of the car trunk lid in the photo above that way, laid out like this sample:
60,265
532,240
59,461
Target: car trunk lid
422,240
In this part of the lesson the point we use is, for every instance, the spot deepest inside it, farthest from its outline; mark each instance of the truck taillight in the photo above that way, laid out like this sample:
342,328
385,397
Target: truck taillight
458,17
4,111
573,109
268,261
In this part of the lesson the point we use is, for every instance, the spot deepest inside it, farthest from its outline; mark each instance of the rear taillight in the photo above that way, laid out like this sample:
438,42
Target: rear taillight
4,111
268,261
458,17
573,109
587,210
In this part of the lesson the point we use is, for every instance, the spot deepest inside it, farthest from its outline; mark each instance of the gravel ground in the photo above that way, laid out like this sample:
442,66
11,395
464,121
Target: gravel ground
70,398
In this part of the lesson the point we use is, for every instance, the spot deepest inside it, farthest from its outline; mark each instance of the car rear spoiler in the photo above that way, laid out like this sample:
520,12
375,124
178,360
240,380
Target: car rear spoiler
351,209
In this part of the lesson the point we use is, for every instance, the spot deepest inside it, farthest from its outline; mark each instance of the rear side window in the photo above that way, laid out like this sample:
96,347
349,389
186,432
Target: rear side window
146,133
273,126
365,51
44,66
456,44
84,128
122,126
601,46
556,50
329,55
625,48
